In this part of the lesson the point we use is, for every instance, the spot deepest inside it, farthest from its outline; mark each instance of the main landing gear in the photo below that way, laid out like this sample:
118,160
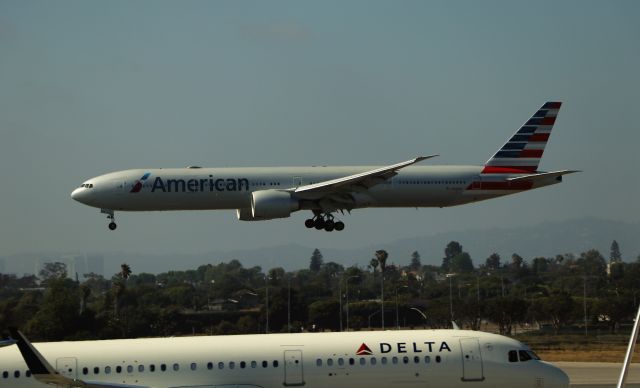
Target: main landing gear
110,216
324,221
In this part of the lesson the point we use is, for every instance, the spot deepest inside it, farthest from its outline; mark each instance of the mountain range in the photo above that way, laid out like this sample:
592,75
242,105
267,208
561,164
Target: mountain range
546,239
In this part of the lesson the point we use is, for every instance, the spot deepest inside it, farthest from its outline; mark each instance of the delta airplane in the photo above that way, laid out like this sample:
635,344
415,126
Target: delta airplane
262,193
412,358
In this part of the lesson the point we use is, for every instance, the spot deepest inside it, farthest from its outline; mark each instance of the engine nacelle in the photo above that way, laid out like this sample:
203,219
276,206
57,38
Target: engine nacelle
267,205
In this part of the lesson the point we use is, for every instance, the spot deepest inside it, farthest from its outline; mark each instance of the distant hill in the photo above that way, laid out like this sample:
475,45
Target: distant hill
545,239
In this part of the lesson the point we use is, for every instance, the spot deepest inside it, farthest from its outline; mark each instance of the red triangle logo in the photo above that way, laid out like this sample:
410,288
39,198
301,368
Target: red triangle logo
364,350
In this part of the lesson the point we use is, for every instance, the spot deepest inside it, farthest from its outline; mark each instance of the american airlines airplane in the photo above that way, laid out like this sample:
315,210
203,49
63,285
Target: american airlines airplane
416,358
264,193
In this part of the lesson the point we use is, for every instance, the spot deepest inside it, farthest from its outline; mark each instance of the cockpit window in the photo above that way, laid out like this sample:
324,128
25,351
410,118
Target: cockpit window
524,356
87,185
513,356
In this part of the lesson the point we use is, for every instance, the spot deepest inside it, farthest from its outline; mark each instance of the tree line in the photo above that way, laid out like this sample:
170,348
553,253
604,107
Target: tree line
566,292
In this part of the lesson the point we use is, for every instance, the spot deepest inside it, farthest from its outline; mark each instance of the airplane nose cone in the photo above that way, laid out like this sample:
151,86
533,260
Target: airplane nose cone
556,378
77,194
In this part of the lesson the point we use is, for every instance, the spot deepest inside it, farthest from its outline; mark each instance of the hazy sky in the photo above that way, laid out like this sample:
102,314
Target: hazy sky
92,87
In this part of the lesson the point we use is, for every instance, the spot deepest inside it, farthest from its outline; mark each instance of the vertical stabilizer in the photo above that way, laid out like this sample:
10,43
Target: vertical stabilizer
523,151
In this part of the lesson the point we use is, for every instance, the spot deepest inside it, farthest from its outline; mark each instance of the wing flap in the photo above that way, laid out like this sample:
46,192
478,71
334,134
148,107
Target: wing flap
359,182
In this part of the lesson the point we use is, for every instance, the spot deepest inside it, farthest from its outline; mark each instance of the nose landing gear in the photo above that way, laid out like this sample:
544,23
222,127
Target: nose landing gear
110,216
324,221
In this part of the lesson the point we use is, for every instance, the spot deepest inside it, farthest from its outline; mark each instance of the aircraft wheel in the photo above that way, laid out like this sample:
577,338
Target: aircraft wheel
309,223
319,224
329,226
339,226
112,226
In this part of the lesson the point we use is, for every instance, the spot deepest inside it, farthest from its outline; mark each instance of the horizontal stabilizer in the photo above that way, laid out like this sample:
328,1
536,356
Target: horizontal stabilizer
542,175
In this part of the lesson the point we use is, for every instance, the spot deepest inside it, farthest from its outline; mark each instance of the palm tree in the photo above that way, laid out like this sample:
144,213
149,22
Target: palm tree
381,257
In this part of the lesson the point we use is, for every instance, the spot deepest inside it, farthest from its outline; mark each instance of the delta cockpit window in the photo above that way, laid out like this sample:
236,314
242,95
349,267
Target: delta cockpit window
522,355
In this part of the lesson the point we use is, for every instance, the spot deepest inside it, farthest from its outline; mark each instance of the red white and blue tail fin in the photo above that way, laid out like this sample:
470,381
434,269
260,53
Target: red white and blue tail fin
522,153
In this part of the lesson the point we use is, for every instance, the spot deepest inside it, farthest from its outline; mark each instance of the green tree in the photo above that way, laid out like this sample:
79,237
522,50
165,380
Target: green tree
57,316
316,261
461,263
493,261
52,271
415,263
615,256
450,251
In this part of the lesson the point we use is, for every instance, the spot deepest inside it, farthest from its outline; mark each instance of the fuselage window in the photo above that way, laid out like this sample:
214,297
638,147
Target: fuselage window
232,365
5,374
163,367
374,360
513,356
152,368
363,361
383,360
221,365
243,364
28,373
330,362
416,359
16,374
405,359
194,366
176,367
352,361
394,360
341,361
427,359
524,356
210,365
265,364
275,363
129,369
140,368
85,371
107,370
118,369
438,359
96,370
254,364
318,362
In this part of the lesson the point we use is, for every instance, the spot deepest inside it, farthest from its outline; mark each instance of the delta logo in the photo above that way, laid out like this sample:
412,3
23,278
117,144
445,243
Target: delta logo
364,350
138,185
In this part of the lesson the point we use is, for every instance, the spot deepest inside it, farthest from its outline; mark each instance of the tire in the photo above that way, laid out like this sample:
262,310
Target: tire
339,226
112,226
309,223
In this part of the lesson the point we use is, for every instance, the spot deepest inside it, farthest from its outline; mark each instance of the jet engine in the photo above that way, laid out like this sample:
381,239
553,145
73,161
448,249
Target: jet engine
267,205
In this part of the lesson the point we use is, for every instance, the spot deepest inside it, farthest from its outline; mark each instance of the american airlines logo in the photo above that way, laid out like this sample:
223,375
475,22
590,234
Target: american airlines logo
138,185
406,347
192,185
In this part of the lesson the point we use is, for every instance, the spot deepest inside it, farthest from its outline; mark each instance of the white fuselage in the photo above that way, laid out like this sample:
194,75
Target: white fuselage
231,188
421,358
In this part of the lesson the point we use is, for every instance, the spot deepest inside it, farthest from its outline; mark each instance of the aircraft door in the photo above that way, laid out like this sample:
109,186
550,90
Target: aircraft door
67,367
293,374
471,360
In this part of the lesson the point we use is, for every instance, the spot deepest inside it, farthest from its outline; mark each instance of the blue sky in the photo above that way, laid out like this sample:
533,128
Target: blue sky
92,87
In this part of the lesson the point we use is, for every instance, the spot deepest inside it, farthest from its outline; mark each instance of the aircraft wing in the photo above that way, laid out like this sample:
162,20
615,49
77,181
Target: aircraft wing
355,183
542,175
42,371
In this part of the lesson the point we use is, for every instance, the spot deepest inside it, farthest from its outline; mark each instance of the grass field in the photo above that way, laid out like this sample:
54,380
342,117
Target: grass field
575,347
